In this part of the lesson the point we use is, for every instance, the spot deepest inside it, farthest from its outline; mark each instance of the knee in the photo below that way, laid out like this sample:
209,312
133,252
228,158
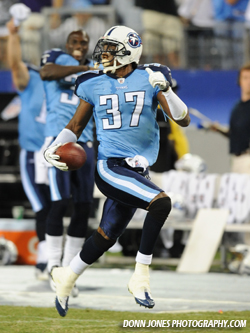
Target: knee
160,209
102,242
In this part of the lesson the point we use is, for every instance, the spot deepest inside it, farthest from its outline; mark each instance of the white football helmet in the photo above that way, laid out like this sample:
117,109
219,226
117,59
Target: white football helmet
191,163
128,47
8,252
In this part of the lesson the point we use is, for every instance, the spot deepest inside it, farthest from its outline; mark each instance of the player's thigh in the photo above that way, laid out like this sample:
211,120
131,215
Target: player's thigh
124,185
59,183
115,218
37,195
82,180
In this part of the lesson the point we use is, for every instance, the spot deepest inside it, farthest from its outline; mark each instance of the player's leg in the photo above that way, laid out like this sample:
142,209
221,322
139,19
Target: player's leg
41,216
127,190
39,198
114,221
136,190
82,185
158,211
59,182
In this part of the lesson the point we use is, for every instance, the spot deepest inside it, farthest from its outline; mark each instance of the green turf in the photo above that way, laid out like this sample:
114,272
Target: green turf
46,320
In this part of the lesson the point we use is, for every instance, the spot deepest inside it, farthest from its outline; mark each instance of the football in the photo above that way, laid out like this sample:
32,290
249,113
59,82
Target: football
72,154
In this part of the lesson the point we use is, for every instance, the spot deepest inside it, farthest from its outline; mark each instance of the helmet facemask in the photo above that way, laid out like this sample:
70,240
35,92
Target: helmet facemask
107,46
128,48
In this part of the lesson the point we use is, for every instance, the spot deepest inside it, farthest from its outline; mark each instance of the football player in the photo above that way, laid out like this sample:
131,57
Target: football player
59,72
29,86
123,98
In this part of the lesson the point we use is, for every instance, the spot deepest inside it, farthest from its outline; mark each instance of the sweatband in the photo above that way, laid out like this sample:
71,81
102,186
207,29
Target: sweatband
177,107
64,136
143,258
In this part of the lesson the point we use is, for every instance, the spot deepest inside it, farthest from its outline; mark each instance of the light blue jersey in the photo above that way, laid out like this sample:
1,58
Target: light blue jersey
125,116
31,119
60,98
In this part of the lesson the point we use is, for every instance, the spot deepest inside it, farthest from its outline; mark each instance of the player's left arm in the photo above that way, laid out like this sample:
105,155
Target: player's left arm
172,105
19,70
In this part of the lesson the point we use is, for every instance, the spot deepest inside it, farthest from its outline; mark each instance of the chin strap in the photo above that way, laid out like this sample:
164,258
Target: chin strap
113,68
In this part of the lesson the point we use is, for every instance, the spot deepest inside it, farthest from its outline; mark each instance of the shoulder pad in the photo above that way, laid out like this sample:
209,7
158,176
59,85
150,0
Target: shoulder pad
50,56
88,75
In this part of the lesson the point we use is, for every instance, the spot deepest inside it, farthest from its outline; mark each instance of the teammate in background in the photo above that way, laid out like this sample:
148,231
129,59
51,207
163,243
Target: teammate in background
238,132
123,98
59,72
31,125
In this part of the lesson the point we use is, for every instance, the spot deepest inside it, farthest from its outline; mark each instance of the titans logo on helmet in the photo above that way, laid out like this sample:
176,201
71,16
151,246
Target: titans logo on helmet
134,40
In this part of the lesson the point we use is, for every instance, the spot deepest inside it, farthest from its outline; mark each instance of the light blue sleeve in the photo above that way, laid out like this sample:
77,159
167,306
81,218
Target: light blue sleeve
83,91
66,60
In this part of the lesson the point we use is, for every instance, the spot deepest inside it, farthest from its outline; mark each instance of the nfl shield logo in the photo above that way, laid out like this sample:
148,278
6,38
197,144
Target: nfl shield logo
121,80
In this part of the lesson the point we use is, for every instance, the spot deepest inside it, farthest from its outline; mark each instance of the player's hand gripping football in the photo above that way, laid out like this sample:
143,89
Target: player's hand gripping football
53,158
157,79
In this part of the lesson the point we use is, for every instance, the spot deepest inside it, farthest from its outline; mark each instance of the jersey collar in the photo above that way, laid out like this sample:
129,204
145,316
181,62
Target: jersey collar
114,76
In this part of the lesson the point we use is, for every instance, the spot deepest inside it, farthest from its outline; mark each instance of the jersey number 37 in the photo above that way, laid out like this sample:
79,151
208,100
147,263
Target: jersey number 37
116,121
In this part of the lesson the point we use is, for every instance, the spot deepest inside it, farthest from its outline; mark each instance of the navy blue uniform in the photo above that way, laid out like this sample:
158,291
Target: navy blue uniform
31,127
61,106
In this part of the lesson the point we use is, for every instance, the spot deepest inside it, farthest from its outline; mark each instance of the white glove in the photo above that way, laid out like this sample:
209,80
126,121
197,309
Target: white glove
19,12
157,79
52,158
137,161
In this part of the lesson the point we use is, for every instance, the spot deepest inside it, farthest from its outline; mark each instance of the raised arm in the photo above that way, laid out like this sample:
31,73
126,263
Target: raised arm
51,71
172,105
19,70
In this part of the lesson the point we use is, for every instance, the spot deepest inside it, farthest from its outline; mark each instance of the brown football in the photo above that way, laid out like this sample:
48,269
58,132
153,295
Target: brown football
72,154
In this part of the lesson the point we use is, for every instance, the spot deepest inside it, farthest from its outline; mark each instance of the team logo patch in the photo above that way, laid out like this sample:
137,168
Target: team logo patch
121,80
134,40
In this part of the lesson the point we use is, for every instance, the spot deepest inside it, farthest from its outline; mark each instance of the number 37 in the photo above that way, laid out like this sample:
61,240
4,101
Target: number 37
116,121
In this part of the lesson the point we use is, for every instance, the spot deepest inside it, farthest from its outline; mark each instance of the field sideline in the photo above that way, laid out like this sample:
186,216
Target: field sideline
27,305
46,320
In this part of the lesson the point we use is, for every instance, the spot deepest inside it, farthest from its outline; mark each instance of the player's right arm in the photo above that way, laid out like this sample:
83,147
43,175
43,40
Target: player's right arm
19,70
81,117
52,71
69,134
